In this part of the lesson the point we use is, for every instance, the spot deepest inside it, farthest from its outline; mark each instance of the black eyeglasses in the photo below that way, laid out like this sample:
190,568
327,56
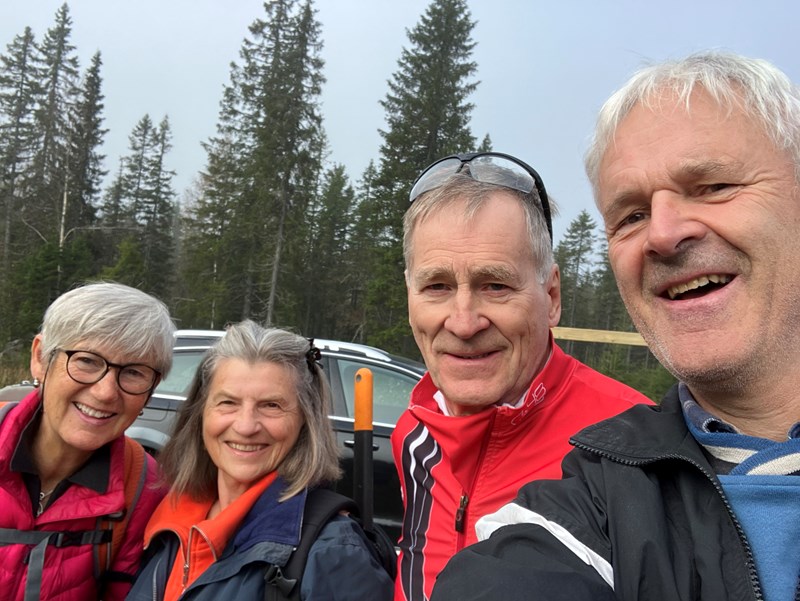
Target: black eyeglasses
487,167
86,367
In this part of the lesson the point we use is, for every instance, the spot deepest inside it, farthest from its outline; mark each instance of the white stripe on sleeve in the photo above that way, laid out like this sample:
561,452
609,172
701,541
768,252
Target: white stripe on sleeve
516,514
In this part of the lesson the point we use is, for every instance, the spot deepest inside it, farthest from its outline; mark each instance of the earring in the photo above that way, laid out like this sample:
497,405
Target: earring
36,382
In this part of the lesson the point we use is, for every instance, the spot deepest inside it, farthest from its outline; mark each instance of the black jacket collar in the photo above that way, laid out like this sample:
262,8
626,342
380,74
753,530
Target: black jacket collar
644,434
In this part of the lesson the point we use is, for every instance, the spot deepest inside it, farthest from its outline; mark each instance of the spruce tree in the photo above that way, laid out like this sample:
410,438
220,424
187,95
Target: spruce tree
141,203
157,239
85,173
20,94
59,63
86,135
207,263
328,273
610,312
39,90
428,116
575,255
263,167
291,134
360,255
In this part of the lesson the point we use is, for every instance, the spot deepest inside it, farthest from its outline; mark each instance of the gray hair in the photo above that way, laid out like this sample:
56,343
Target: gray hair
461,186
754,86
125,320
186,464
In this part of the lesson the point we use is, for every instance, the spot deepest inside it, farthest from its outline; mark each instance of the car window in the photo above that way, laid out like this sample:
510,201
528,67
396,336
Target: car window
184,366
391,390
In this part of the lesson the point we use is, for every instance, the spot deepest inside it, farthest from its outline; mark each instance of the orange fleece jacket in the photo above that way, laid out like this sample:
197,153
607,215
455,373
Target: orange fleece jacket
202,540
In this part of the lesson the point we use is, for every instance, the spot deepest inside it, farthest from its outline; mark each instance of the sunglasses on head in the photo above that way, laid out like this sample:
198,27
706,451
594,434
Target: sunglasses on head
487,167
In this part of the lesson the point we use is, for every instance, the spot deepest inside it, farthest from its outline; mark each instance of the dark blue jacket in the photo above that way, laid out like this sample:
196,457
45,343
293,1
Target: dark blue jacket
341,565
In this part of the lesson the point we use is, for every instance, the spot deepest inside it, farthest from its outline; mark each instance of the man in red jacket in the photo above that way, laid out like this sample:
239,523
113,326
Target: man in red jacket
500,399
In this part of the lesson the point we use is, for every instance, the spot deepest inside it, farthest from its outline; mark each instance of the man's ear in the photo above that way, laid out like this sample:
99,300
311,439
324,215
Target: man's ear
553,287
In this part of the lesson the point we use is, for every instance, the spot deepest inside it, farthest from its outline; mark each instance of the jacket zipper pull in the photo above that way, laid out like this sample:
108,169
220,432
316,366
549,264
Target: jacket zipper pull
462,509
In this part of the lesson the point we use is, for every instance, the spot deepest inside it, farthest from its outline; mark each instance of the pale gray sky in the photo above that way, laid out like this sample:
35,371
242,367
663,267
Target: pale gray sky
544,67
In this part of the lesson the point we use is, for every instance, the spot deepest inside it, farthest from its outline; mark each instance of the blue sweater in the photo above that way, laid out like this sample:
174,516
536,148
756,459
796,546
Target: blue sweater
760,480
768,508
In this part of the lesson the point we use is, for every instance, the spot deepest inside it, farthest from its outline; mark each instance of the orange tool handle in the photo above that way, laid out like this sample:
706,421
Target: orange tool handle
363,399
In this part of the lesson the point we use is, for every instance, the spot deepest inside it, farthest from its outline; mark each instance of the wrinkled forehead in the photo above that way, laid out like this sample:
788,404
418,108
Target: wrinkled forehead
697,109
497,221
445,211
668,102
700,110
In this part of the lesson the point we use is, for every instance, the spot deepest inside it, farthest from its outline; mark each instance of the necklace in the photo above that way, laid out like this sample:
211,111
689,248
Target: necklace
42,496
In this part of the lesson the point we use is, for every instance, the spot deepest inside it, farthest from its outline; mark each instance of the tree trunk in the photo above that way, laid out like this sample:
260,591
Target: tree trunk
276,261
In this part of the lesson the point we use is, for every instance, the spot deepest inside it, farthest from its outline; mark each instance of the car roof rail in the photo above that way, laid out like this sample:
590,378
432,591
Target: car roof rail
200,338
197,337
353,348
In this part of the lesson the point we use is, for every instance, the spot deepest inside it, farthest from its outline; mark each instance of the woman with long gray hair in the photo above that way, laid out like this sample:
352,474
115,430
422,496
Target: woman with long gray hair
249,442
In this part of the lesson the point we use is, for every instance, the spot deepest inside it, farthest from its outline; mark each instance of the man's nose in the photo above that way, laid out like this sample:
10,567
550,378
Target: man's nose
672,222
466,317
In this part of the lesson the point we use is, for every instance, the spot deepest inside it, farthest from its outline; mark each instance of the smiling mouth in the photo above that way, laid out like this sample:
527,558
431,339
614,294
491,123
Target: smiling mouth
698,286
88,411
246,448
472,357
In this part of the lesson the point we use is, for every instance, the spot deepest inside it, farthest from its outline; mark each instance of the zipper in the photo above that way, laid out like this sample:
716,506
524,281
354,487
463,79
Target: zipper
192,530
185,572
168,566
462,509
186,561
751,564
461,512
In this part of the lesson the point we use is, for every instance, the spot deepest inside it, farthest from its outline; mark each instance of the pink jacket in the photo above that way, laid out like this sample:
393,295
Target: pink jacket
68,573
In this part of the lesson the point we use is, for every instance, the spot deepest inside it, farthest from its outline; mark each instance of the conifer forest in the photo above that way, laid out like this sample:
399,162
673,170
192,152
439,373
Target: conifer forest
273,229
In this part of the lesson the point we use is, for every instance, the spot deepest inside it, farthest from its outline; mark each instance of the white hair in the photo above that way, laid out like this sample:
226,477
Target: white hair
755,86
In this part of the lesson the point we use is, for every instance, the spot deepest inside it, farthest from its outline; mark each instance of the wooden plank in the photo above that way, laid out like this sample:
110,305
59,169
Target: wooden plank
608,336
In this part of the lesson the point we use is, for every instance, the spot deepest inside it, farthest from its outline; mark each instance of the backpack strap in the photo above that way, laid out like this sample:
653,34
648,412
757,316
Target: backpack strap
135,478
282,584
384,549
40,539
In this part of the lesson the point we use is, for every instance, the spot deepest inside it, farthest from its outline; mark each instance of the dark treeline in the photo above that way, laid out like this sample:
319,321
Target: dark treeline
273,229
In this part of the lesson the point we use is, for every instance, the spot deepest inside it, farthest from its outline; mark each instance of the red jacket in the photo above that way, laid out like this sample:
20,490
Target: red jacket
68,573
454,470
